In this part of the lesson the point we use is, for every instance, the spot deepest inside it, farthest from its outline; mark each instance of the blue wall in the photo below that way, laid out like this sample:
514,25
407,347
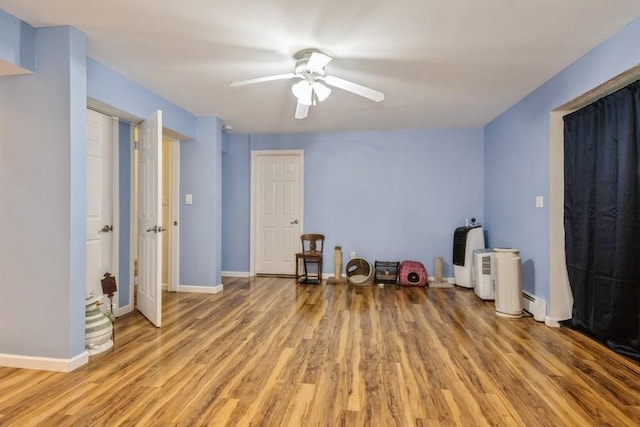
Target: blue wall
17,44
114,90
43,186
43,173
517,155
200,239
389,195
236,207
200,171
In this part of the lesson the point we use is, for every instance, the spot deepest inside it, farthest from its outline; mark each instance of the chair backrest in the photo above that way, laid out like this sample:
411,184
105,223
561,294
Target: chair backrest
312,243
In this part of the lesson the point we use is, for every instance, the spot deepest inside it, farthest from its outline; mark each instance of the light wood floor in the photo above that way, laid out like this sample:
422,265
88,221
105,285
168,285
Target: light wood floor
269,352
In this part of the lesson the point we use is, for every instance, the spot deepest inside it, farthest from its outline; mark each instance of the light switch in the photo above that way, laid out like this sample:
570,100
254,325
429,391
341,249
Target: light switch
188,199
539,202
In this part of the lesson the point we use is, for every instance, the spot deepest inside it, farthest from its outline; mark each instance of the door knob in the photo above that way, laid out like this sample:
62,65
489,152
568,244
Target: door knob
106,229
294,222
156,229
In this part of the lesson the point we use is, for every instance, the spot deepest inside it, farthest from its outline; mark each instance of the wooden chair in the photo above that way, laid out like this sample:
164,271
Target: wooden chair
311,255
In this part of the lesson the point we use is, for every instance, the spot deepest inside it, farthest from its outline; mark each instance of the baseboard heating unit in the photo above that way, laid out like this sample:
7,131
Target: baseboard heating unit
537,307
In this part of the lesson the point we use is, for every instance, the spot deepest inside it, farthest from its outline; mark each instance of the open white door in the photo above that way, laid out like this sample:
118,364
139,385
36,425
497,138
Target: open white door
150,219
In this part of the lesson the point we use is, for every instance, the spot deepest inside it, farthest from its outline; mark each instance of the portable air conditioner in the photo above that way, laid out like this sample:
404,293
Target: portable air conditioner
507,278
465,240
482,274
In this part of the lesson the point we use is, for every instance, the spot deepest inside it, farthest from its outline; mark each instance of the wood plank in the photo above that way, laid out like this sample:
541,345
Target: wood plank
267,351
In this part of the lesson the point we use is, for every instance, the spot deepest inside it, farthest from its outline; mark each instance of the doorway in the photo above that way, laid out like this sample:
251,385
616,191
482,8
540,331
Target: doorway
155,230
102,202
277,184
170,212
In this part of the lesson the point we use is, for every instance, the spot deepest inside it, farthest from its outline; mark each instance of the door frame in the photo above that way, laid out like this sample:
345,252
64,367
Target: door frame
253,259
174,216
115,203
133,215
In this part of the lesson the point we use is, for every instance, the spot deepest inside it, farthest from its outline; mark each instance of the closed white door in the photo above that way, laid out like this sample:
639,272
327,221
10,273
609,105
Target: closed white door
278,210
149,291
100,145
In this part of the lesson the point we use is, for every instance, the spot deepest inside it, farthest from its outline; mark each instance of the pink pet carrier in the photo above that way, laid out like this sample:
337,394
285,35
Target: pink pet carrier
412,273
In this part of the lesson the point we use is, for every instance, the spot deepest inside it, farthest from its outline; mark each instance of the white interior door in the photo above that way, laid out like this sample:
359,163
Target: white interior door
100,193
278,210
149,291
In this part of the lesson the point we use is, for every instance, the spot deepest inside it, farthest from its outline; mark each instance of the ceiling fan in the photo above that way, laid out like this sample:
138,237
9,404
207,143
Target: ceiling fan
313,82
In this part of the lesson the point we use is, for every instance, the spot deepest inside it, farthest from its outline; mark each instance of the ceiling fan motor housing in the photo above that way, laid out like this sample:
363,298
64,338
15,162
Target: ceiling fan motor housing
302,70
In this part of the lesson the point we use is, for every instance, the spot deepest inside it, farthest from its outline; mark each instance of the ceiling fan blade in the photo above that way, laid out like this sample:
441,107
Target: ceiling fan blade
302,111
373,95
262,79
317,61
322,91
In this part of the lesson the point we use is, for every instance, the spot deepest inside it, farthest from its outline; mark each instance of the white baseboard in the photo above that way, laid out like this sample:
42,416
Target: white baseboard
121,311
201,289
451,280
44,363
235,274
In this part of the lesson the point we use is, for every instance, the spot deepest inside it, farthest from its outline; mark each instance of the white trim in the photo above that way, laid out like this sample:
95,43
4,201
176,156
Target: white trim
133,216
560,296
235,274
451,280
174,209
44,363
253,193
115,199
201,289
121,311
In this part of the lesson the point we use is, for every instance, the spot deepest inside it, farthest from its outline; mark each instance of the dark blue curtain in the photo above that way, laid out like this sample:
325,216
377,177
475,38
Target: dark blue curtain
602,218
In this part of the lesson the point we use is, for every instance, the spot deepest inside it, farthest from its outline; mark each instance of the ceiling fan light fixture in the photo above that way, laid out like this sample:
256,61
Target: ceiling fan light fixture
322,91
313,85
303,91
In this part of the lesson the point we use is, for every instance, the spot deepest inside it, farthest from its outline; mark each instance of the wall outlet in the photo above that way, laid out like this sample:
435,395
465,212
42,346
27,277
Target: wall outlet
539,202
353,254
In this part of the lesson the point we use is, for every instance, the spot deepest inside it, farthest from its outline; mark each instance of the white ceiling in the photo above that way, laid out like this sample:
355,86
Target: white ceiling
441,64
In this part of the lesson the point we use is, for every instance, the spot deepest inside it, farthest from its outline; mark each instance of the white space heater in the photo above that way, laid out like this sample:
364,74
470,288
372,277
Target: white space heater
465,240
482,274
